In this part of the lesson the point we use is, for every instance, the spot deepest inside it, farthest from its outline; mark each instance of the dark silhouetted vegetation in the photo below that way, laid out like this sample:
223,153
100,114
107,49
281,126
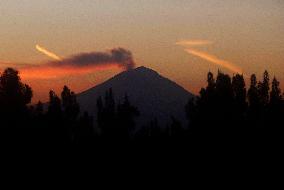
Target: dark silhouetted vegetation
226,112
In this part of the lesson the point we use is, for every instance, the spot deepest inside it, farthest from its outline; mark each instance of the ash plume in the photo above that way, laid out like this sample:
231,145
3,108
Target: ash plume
117,56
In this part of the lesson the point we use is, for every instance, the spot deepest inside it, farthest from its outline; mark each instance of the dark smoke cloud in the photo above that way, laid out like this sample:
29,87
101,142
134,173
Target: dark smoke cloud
119,56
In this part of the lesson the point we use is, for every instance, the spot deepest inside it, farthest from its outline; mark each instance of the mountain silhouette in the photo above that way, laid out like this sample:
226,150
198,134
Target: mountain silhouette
155,96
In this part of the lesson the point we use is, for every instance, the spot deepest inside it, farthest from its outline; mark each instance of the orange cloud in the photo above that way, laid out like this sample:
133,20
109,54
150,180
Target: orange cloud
48,53
194,42
215,60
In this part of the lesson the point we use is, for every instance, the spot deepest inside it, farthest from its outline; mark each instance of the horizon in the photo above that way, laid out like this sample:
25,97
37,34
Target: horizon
59,90
82,44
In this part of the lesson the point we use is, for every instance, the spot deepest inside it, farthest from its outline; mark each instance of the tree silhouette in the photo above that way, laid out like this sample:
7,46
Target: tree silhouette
263,89
55,120
275,94
70,112
14,95
254,109
14,112
240,92
276,107
54,107
214,107
253,96
225,112
205,105
70,106
208,95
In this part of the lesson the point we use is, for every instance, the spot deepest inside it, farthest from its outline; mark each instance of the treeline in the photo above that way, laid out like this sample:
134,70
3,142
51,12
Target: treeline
225,111
58,122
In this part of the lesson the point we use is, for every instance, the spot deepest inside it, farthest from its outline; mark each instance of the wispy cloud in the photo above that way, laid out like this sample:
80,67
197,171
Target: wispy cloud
194,42
190,44
48,53
213,59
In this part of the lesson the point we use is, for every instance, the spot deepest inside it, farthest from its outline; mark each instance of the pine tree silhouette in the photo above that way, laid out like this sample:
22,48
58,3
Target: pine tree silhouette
263,89
275,94
253,96
276,108
240,92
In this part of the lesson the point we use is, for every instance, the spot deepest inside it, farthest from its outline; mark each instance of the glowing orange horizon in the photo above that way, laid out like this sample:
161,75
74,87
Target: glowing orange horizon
49,72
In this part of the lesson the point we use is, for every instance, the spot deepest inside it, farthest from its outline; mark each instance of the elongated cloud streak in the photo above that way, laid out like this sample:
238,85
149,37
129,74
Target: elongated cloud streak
48,53
215,60
194,43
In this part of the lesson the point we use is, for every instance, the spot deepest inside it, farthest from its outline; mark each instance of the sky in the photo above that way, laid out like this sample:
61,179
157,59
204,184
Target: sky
180,39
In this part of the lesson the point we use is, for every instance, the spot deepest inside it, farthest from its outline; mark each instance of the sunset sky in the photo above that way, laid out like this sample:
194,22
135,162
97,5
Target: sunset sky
181,39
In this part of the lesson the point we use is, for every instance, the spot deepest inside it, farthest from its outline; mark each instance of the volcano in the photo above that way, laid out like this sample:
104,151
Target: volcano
156,97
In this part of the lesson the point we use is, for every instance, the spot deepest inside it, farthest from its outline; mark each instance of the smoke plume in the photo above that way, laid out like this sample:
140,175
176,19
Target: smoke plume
118,56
